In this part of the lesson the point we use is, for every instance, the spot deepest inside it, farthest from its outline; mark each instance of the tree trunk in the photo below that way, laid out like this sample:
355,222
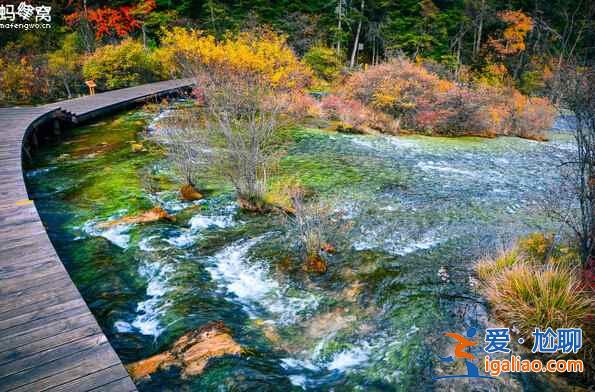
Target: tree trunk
144,36
340,14
477,45
67,87
356,43
374,51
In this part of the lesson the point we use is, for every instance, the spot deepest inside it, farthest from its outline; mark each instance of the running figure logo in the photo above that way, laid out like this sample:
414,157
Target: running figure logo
460,353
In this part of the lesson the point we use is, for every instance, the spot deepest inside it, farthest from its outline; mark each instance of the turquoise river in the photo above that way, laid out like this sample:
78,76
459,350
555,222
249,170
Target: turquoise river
419,212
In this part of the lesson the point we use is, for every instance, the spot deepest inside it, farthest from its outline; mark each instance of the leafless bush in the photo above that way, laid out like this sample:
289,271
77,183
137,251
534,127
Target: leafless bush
184,142
314,225
241,114
310,221
577,93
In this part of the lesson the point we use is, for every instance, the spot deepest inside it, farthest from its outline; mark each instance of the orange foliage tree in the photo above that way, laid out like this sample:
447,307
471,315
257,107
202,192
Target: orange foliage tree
113,22
21,82
513,37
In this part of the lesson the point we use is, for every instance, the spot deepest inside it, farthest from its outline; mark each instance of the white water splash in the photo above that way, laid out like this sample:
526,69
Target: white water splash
431,167
145,244
347,359
171,202
389,241
157,124
184,239
199,223
425,243
36,172
150,310
251,285
382,143
116,234
123,327
298,380
343,361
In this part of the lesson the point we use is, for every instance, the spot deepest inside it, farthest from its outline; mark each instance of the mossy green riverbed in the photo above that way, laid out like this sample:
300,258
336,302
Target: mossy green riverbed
418,212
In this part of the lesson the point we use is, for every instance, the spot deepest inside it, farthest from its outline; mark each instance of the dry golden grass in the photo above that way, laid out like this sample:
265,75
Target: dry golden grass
527,296
537,283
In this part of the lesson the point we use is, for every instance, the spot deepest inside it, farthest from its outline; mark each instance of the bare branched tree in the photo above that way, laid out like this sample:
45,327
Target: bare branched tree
242,111
313,224
185,143
577,94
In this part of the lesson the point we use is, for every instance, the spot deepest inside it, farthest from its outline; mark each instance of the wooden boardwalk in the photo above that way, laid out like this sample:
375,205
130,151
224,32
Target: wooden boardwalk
49,340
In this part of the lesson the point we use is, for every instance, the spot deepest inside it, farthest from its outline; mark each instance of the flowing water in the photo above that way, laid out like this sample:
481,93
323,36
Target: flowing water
417,210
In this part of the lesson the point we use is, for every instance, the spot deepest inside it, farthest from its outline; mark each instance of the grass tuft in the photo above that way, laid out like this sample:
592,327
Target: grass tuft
537,283
528,297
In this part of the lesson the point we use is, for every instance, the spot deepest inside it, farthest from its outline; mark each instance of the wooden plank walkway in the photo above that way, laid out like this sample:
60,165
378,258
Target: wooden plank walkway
49,340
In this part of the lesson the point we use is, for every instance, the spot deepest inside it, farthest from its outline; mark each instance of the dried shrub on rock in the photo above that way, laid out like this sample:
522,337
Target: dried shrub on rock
186,146
242,111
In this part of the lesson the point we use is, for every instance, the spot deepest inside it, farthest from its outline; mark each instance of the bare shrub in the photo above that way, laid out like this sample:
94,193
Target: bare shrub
185,144
312,227
577,93
242,111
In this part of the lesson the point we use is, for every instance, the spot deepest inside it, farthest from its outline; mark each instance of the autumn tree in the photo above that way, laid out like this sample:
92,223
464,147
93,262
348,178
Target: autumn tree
64,64
263,52
111,23
121,65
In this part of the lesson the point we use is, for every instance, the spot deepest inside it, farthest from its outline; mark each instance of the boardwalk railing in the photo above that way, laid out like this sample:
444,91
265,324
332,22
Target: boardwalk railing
49,340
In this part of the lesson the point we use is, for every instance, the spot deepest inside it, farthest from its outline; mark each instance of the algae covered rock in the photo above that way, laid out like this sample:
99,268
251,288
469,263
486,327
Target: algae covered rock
191,352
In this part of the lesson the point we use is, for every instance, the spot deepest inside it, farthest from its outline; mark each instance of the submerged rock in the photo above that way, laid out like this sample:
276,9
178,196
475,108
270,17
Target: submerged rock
315,263
189,193
146,367
328,324
152,215
191,352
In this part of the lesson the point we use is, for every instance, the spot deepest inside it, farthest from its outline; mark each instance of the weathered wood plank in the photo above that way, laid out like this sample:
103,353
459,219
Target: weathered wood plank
46,331
40,309
40,323
52,354
50,342
114,378
62,370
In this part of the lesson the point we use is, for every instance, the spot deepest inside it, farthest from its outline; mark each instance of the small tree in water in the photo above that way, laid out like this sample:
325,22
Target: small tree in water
186,147
241,113
311,226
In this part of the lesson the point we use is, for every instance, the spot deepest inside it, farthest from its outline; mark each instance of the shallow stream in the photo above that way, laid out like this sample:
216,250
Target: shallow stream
420,211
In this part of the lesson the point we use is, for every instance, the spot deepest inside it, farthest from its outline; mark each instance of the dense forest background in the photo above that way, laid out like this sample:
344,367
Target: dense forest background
520,42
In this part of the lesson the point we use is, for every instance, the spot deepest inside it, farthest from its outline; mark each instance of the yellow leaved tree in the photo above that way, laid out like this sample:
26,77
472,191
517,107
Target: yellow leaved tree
264,53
